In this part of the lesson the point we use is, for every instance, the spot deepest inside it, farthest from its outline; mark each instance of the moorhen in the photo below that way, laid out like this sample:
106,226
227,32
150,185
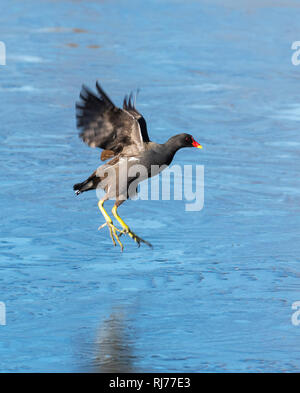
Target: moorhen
123,136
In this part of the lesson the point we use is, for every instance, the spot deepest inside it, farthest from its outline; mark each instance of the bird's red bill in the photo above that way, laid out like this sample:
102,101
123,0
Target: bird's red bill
196,144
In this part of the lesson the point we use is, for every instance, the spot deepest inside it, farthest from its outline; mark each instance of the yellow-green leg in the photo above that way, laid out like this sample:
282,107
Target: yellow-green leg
127,230
112,228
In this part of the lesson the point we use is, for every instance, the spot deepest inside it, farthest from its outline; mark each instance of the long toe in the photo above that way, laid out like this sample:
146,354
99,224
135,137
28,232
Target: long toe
114,231
112,236
138,239
102,226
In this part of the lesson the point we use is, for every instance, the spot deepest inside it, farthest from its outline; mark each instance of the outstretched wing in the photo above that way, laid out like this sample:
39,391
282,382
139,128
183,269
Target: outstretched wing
104,125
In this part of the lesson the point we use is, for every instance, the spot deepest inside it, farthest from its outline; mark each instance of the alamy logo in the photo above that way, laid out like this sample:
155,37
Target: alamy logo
295,57
2,53
2,314
119,183
296,315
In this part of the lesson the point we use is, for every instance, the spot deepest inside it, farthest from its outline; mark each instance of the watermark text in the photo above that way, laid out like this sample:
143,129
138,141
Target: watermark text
176,182
296,315
295,56
2,314
2,54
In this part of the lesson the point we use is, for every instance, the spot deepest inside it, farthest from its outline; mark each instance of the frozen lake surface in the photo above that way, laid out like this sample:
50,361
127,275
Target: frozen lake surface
215,293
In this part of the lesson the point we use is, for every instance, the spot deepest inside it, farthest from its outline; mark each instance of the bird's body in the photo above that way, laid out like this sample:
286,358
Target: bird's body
123,135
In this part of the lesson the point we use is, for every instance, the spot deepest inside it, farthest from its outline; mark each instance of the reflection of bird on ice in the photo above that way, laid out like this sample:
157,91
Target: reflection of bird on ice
113,346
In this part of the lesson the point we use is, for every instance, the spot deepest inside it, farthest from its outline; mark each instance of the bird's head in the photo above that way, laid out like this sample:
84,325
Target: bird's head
187,140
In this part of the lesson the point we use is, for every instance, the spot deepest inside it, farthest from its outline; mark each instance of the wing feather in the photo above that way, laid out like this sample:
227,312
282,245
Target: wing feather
104,125
129,105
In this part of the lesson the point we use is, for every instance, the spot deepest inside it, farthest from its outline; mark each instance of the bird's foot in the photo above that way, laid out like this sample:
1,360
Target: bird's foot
113,233
116,233
136,238
127,231
110,224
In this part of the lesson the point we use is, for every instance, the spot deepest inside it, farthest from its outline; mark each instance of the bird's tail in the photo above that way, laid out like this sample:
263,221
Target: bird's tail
89,184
